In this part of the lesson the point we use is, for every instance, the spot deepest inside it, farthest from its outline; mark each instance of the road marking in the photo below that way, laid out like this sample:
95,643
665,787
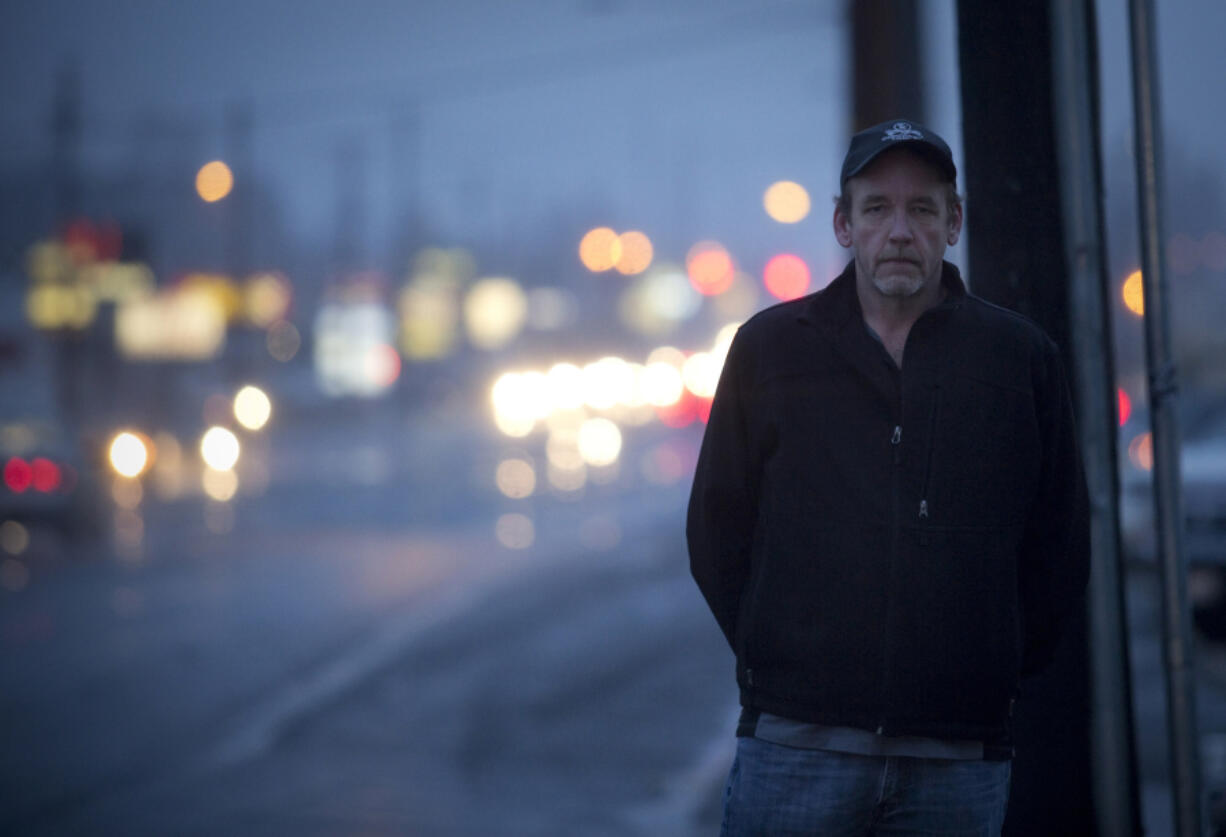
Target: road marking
261,726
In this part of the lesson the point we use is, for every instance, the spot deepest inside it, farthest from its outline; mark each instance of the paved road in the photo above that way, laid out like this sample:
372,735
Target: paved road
321,671
344,663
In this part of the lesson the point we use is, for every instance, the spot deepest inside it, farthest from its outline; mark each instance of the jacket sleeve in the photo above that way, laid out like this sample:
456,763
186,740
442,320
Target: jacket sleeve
1055,562
723,500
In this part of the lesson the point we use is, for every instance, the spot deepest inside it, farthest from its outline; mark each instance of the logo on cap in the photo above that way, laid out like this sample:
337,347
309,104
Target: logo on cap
901,131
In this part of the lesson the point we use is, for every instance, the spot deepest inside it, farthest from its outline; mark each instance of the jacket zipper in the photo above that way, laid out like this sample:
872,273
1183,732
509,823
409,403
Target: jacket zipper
896,459
934,414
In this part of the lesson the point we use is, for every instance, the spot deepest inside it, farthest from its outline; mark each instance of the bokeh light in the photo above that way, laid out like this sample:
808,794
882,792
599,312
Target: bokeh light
219,485
45,475
567,481
51,306
515,478
786,276
565,386
429,314
1133,293
14,537
495,310
600,441
127,494
562,447
659,301
219,448
18,475
600,249
709,267
252,407
515,531
687,410
636,253
786,202
283,341
701,373
187,322
1141,451
1125,406
607,383
266,298
382,365
354,354
661,384
520,399
128,454
214,181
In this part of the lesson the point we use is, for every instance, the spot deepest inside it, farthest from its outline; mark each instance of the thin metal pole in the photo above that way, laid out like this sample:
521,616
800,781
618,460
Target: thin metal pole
1076,133
1168,511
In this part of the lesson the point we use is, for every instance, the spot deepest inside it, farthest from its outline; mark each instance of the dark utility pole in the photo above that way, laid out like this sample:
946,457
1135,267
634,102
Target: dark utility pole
1075,104
885,57
1018,253
1163,387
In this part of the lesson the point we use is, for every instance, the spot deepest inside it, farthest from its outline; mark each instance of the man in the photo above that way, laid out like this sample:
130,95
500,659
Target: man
888,521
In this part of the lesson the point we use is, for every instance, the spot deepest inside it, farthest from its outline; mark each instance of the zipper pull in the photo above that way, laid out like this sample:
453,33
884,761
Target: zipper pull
923,509
897,436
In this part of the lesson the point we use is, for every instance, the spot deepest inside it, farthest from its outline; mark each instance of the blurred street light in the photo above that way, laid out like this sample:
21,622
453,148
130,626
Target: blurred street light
786,276
709,267
636,253
600,249
1133,294
495,310
786,202
214,181
129,454
252,407
219,448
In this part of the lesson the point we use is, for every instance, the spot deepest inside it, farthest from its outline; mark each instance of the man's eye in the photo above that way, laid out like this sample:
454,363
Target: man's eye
871,210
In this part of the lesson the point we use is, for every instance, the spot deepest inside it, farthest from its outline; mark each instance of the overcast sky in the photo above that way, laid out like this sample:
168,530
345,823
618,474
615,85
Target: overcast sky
673,116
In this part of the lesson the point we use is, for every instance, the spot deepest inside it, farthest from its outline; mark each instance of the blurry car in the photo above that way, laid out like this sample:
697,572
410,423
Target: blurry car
47,480
1202,465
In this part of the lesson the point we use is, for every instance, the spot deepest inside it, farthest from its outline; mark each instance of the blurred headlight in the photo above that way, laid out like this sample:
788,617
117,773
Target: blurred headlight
129,454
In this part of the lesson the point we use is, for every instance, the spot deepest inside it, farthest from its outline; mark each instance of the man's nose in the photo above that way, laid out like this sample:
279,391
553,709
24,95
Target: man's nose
900,226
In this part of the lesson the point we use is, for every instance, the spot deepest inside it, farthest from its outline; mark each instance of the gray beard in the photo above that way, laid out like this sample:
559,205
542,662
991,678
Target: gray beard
898,286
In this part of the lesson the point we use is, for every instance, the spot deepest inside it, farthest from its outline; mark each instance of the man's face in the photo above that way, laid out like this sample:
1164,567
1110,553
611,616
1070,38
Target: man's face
899,224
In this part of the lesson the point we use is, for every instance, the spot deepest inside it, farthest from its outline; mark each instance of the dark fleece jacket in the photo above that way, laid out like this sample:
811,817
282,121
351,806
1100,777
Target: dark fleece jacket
884,549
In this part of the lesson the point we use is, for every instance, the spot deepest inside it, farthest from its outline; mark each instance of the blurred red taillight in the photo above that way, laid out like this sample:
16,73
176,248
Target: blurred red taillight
46,476
18,474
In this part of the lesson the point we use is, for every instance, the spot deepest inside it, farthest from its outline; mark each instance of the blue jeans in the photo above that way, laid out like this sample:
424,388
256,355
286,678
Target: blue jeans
776,790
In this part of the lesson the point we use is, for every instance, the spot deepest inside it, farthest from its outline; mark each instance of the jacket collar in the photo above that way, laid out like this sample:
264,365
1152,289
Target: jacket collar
835,312
838,304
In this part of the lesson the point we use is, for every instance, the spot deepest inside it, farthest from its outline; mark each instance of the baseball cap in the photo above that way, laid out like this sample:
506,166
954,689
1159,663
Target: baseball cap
870,143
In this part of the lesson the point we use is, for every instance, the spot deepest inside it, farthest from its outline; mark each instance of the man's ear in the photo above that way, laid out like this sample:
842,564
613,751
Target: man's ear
955,225
842,226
